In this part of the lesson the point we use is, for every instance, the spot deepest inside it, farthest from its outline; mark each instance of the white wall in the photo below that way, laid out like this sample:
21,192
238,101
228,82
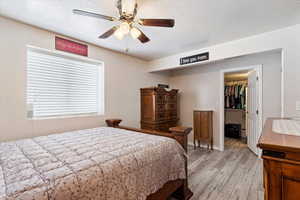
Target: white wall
287,39
124,75
199,87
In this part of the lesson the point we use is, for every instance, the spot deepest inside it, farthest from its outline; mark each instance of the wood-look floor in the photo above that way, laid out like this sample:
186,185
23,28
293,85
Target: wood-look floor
235,174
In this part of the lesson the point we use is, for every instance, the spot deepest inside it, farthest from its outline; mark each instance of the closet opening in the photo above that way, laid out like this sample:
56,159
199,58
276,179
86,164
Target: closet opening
235,107
241,107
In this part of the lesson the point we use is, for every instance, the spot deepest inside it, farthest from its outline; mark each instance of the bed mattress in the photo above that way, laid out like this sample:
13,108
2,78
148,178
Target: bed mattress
100,163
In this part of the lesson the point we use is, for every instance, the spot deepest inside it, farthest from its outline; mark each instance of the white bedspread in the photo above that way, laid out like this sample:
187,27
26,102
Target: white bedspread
95,164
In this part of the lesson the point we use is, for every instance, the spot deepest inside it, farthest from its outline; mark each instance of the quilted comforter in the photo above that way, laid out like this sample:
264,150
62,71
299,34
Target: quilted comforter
95,164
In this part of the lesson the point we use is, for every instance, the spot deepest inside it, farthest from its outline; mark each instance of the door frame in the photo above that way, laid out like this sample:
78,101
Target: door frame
258,69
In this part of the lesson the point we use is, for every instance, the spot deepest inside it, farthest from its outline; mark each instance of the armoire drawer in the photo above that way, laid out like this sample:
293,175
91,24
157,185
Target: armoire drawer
161,107
161,116
171,106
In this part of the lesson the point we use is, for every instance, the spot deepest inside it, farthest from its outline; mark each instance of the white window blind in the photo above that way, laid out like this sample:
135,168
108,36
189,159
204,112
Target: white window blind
63,85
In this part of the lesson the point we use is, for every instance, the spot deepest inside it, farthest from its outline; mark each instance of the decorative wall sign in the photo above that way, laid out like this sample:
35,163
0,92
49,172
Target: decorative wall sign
71,46
163,86
195,58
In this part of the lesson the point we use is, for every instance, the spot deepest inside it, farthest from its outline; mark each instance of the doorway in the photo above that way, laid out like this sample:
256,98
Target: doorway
235,106
241,106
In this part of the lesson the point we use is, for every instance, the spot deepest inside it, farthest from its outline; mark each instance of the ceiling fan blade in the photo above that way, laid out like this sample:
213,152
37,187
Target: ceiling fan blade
108,33
90,14
157,22
143,38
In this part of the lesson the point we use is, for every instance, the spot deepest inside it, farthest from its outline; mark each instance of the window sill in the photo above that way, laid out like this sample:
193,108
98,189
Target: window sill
66,117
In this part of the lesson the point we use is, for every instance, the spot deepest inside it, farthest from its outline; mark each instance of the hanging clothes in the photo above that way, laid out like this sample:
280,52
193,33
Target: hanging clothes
235,95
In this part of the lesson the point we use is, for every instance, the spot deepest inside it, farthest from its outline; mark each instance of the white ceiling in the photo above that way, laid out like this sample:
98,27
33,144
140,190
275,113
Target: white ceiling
199,23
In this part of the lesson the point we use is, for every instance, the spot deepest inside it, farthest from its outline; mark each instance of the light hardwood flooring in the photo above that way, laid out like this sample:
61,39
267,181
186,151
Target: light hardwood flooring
235,174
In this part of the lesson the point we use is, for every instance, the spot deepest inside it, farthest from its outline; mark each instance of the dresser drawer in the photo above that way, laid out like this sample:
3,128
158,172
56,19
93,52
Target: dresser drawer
160,108
173,114
171,106
161,116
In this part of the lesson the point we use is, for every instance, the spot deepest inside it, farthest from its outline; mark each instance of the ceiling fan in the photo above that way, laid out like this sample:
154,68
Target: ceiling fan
128,23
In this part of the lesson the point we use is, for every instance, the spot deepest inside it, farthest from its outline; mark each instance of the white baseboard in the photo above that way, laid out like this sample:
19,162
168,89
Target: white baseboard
205,146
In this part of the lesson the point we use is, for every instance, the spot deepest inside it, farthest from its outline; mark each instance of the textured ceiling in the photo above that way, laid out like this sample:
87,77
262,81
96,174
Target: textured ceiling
199,23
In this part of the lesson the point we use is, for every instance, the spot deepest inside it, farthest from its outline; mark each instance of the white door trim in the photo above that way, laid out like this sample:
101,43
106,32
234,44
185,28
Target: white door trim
283,56
258,69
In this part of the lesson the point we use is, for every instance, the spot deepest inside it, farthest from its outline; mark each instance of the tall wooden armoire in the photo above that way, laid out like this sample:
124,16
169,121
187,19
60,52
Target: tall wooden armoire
158,109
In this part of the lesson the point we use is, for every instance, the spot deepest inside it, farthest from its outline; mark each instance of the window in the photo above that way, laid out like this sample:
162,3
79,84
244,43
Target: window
59,84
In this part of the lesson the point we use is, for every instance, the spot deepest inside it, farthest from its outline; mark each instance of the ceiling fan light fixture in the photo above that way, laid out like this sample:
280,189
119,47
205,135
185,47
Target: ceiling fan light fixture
135,33
119,34
128,7
125,28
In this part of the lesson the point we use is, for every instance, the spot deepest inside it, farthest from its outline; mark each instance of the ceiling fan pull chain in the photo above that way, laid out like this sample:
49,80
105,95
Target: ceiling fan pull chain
126,45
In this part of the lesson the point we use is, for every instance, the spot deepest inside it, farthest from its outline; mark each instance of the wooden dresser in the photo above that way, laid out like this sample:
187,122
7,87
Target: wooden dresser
281,160
203,128
158,109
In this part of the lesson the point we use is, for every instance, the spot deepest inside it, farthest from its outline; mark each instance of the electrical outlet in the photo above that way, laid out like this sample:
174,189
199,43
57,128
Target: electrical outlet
298,105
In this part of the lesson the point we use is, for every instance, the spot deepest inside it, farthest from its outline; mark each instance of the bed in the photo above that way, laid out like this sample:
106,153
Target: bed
106,163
